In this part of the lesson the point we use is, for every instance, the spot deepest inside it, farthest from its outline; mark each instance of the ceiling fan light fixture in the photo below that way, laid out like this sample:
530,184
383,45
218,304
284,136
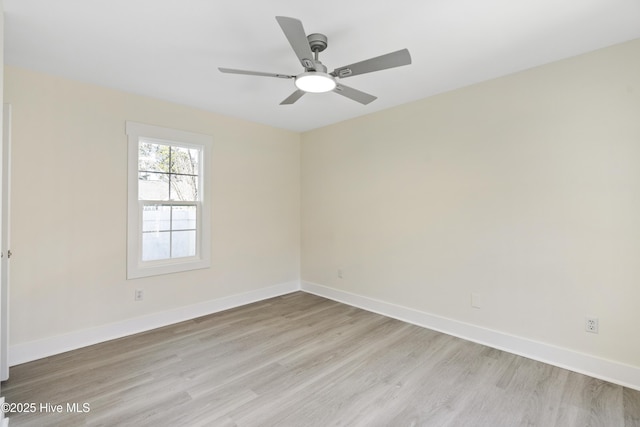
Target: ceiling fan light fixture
315,82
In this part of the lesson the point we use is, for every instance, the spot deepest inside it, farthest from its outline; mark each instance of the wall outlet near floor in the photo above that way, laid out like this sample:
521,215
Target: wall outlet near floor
339,273
138,295
591,325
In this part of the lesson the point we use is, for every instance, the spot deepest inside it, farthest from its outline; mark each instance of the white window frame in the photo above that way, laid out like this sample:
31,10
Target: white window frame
136,267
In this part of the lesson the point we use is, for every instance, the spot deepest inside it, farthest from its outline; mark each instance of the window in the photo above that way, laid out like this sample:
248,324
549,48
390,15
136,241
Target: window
169,215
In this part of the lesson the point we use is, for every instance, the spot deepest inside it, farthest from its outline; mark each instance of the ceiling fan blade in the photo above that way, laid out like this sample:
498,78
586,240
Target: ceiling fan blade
254,73
390,60
351,93
294,31
293,97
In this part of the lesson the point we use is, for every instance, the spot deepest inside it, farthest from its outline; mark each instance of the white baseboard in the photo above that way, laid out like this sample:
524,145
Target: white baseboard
608,370
615,372
33,350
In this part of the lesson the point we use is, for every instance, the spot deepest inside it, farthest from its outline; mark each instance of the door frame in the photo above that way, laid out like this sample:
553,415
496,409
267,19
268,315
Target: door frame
5,178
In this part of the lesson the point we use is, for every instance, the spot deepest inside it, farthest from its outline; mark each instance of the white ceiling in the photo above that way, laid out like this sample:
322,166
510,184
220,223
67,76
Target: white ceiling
171,49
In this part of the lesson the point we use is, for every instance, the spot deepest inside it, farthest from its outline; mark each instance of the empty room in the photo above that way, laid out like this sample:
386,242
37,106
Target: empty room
285,213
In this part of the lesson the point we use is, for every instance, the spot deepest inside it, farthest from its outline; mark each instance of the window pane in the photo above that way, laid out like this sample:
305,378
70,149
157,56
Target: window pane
184,218
183,244
155,246
185,160
153,157
184,188
153,186
156,218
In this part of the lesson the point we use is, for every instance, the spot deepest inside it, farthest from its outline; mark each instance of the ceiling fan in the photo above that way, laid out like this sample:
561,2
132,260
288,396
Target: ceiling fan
315,78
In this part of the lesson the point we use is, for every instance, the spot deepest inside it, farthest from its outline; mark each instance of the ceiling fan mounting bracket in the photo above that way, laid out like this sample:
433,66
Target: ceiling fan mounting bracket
317,42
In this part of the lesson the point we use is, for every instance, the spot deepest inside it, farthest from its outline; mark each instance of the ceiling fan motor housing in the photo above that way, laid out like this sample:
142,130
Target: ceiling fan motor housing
320,67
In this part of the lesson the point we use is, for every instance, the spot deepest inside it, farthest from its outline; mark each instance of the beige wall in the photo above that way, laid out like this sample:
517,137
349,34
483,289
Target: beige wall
523,189
69,210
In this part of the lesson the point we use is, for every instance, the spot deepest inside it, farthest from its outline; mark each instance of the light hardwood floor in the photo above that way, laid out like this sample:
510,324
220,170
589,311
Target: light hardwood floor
302,360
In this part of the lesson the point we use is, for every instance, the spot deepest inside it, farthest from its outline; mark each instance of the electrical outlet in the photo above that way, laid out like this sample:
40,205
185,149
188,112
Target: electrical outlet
139,295
339,273
591,325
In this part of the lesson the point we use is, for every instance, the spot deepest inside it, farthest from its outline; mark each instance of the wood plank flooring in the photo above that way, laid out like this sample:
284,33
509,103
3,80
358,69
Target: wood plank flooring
302,360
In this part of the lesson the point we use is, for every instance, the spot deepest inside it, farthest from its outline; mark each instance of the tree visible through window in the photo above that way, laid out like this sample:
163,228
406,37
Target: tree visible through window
168,186
168,216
